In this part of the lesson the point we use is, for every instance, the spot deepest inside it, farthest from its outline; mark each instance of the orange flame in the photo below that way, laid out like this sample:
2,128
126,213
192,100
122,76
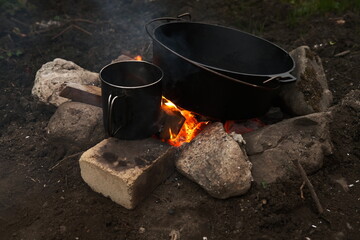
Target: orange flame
138,58
189,129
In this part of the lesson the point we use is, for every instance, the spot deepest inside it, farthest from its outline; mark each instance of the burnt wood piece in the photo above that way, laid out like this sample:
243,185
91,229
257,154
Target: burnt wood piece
83,93
171,121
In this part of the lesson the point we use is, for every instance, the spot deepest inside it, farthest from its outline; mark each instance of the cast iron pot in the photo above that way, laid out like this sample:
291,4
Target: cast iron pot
225,50
191,82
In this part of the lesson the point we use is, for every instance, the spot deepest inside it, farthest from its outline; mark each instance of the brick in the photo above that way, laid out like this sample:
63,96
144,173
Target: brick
127,171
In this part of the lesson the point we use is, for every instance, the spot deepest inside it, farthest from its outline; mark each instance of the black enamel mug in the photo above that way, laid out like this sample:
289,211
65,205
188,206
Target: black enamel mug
131,99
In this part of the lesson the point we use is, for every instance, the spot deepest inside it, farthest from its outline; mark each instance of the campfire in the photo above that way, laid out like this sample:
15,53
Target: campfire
216,154
189,128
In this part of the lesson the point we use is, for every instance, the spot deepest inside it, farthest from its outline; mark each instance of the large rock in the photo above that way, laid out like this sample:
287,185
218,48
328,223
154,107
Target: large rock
345,128
310,93
52,77
216,162
273,149
77,126
127,171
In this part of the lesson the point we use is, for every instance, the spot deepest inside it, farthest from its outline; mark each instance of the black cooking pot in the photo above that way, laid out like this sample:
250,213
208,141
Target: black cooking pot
202,65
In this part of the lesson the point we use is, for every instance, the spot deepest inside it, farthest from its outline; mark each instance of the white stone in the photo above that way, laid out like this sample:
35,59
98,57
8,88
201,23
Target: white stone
53,76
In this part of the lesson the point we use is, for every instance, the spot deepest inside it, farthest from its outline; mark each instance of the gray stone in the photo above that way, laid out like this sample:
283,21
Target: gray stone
127,171
273,148
52,77
310,93
76,125
345,127
216,162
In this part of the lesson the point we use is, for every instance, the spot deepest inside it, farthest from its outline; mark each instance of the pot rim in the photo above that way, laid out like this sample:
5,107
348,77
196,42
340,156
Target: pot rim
245,33
131,87
214,69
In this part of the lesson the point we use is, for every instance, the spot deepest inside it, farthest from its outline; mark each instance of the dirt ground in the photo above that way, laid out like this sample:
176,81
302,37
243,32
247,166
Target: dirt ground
38,201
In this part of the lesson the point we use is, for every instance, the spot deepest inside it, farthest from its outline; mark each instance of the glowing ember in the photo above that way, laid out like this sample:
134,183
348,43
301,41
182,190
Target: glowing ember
243,126
138,58
189,129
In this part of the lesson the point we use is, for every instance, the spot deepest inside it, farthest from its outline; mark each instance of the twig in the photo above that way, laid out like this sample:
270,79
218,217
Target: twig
66,182
62,32
310,186
81,20
342,53
174,235
47,29
19,22
81,29
70,27
65,158
301,190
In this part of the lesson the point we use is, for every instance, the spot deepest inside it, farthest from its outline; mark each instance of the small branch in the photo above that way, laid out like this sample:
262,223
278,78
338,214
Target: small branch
310,186
62,32
81,20
46,30
65,158
19,22
70,27
301,190
66,182
342,53
81,29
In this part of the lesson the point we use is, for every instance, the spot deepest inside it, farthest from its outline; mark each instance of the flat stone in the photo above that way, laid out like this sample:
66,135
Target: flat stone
76,126
53,76
127,171
273,148
310,93
216,162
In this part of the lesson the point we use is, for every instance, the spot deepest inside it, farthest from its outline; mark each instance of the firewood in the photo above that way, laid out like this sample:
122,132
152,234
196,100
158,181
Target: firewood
172,122
82,93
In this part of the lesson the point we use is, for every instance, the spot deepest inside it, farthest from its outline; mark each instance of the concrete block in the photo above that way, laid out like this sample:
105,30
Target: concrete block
127,171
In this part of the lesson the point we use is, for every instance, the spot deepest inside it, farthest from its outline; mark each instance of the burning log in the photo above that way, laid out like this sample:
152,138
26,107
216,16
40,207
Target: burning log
190,127
172,123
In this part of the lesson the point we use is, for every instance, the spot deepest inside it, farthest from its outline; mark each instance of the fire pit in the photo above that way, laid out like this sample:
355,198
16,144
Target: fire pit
216,160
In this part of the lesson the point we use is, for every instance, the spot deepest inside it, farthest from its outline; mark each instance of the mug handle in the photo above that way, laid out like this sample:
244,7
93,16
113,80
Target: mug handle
111,100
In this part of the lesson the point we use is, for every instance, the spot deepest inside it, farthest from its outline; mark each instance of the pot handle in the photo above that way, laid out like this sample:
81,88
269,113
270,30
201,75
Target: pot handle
284,78
111,100
167,19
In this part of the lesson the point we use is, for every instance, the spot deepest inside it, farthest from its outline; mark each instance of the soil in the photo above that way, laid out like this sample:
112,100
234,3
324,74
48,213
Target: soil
42,195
